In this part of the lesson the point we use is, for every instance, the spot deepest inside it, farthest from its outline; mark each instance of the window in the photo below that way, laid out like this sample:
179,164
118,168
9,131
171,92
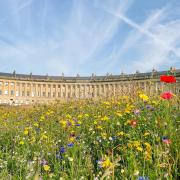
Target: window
33,94
12,84
54,94
49,94
6,83
54,86
49,85
59,94
1,83
28,93
0,92
59,86
12,92
44,85
17,93
44,94
6,92
23,94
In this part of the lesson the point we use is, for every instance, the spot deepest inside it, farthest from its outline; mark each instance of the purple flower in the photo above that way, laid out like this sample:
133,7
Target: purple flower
43,162
62,149
148,106
77,124
114,138
70,145
69,123
143,178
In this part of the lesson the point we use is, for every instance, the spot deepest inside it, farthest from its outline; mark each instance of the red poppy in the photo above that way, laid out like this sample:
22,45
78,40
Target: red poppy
134,123
167,95
168,79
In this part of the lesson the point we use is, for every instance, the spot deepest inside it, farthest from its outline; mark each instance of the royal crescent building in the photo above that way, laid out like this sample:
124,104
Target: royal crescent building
27,89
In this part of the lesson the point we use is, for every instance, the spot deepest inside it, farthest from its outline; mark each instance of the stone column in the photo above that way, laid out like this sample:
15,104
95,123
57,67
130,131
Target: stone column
71,90
56,91
61,91
114,90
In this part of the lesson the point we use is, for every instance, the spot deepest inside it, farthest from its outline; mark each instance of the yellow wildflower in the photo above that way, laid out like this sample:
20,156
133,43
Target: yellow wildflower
147,155
136,143
118,114
144,97
139,148
106,163
71,139
105,118
46,168
99,127
42,118
21,142
120,133
146,134
63,123
68,116
104,135
44,136
80,116
26,132
36,124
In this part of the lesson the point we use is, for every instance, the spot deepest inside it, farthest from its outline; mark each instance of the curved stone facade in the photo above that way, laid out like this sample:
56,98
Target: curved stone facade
27,89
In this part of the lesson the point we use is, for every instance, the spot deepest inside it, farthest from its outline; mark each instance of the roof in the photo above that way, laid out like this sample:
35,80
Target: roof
83,78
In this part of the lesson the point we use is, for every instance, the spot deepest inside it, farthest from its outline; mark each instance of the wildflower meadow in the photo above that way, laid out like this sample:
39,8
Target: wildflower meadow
115,138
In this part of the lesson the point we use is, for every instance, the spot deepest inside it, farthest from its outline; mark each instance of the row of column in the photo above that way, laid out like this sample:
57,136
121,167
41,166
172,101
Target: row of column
36,90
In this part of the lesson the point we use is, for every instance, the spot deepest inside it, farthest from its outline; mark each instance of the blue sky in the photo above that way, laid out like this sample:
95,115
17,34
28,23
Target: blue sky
89,36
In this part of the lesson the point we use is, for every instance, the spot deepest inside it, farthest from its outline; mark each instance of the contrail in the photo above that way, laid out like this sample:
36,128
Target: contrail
143,31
